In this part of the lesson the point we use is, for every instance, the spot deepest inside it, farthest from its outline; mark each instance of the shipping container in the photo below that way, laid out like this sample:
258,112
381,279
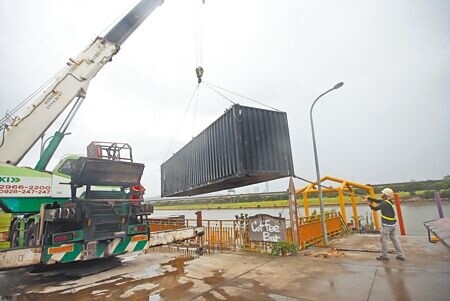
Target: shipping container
242,147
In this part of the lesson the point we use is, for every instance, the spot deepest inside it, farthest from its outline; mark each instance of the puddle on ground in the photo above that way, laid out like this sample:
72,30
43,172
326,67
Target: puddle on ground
215,279
158,282
237,290
74,270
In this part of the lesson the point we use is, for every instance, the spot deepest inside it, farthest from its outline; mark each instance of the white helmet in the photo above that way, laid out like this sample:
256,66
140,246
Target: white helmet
387,191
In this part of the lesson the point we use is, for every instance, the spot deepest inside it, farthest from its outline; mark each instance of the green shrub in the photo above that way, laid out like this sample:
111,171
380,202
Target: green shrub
283,247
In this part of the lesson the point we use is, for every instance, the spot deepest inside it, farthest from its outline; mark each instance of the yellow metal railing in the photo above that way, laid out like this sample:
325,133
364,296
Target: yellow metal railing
163,224
232,234
345,186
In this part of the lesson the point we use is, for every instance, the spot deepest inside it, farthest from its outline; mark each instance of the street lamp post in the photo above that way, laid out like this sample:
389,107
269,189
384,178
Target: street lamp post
319,186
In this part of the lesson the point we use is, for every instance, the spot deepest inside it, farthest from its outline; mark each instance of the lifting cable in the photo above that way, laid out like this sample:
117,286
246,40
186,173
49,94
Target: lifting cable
181,120
9,115
198,71
218,92
198,43
198,39
195,110
243,96
215,88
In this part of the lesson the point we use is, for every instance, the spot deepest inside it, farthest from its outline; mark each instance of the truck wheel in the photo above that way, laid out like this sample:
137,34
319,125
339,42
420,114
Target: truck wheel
14,233
31,235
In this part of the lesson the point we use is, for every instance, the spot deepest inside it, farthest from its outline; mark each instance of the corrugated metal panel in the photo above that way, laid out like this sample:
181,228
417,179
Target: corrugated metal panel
244,146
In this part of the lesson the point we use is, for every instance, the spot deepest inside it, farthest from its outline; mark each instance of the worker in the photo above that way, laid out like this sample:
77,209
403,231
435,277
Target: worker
389,223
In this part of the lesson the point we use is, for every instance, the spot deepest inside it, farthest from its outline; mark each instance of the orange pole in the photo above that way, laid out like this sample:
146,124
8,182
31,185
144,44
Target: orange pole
399,214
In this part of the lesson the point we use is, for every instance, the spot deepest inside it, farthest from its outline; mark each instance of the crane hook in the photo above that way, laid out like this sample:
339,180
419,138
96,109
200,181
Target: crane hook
199,72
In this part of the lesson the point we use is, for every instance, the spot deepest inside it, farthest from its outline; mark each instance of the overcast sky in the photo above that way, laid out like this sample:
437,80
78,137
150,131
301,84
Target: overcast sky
390,122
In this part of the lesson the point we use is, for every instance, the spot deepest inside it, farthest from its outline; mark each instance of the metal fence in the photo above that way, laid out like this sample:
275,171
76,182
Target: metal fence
233,234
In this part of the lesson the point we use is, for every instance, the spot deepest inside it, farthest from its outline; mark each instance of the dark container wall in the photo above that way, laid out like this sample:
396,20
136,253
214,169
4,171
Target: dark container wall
244,146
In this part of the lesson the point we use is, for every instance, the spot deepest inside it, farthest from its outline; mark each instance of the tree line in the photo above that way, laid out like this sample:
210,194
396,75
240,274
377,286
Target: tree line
422,188
417,189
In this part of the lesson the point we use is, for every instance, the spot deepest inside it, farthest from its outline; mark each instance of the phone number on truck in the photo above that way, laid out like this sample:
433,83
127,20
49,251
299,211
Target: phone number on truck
24,189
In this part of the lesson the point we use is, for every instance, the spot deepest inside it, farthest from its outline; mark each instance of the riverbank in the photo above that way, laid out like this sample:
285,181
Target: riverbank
268,204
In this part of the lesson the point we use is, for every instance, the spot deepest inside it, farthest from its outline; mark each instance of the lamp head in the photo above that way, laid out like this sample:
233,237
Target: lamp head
338,85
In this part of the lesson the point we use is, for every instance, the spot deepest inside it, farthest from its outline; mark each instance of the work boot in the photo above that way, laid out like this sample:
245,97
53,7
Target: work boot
382,258
400,258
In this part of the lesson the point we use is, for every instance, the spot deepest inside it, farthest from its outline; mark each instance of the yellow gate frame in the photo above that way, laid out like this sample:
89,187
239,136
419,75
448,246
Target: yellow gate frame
345,186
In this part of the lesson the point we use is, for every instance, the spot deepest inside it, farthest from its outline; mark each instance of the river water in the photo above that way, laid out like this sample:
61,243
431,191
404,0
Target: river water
414,214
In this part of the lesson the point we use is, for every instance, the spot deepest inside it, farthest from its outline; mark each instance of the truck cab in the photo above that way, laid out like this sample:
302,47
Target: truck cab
23,190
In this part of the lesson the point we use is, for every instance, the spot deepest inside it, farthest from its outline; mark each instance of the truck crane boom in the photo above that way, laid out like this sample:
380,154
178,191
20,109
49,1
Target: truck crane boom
102,213
19,133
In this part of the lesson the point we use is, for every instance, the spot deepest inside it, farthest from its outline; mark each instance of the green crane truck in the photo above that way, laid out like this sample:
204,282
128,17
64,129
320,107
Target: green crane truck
82,209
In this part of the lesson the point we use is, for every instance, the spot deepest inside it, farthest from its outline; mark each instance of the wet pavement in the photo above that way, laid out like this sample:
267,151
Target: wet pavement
316,274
